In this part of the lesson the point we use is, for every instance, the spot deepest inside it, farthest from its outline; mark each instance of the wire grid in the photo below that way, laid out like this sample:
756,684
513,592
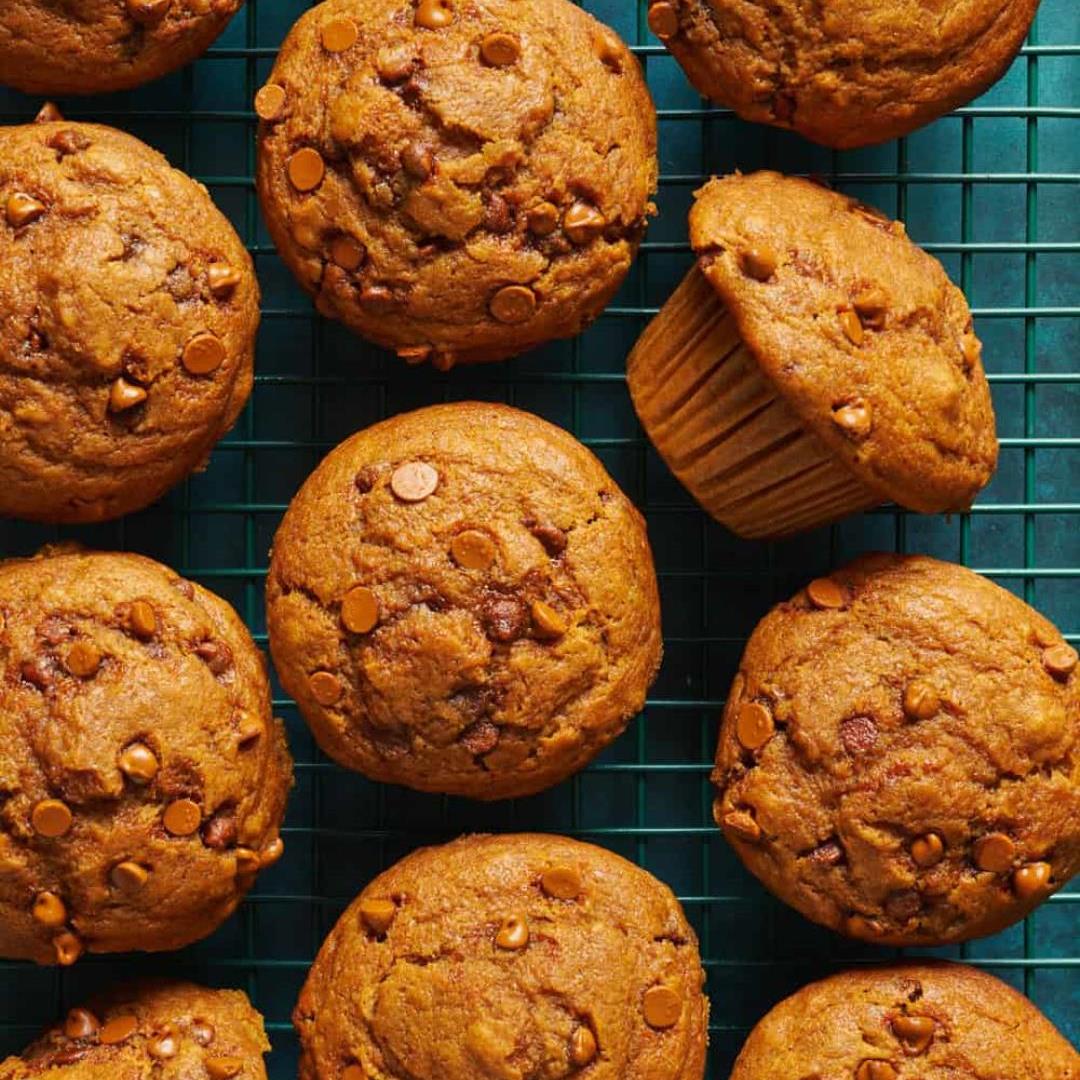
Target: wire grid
991,190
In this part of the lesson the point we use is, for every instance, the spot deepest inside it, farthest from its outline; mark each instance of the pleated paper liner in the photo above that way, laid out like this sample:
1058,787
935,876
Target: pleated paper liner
723,429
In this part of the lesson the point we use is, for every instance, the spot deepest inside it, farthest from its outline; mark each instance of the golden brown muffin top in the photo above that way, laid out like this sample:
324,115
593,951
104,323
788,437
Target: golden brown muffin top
142,780
457,180
919,1021
847,73
859,329
460,599
130,313
153,1029
900,753
507,956
93,46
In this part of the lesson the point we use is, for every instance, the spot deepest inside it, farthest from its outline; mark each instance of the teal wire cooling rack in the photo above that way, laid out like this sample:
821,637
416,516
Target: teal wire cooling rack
992,190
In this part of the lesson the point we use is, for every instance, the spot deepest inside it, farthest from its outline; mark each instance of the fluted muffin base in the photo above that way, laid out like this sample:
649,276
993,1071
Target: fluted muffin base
723,429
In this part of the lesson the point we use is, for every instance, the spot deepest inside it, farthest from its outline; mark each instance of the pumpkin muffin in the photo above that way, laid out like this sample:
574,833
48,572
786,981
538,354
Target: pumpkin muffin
500,956
814,363
922,1021
142,780
847,73
460,599
95,46
150,1031
900,754
457,181
130,311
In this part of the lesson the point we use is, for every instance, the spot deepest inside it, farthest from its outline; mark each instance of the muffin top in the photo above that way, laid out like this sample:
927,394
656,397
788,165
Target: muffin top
130,314
143,781
900,753
847,73
860,330
507,956
458,181
93,46
159,1030
922,1021
460,599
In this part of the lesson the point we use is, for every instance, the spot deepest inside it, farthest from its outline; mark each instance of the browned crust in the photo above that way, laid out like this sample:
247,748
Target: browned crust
107,286
203,1025
849,74
436,172
457,689
847,778
916,368
475,1008
187,691
978,1027
47,48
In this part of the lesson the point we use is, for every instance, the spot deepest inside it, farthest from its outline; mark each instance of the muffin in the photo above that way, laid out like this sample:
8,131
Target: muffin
814,363
460,599
844,75
159,1030
130,314
507,956
898,757
143,781
919,1020
456,181
95,46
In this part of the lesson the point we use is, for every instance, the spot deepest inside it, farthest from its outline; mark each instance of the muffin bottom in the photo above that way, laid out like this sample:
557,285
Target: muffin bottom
723,429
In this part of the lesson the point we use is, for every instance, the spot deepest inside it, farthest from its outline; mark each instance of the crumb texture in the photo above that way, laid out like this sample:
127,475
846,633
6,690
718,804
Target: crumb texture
95,46
130,315
845,73
142,780
919,1021
507,958
899,754
458,180
153,1030
860,330
461,599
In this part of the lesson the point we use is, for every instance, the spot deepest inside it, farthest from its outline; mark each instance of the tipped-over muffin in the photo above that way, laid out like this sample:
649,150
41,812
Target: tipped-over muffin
130,309
900,753
507,956
461,599
814,363
917,1021
152,1030
143,780
457,181
95,46
846,73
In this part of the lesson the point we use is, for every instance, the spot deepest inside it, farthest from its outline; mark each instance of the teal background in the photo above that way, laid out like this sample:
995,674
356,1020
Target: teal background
992,191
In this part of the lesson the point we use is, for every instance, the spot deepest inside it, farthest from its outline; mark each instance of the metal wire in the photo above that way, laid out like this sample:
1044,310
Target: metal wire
992,191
